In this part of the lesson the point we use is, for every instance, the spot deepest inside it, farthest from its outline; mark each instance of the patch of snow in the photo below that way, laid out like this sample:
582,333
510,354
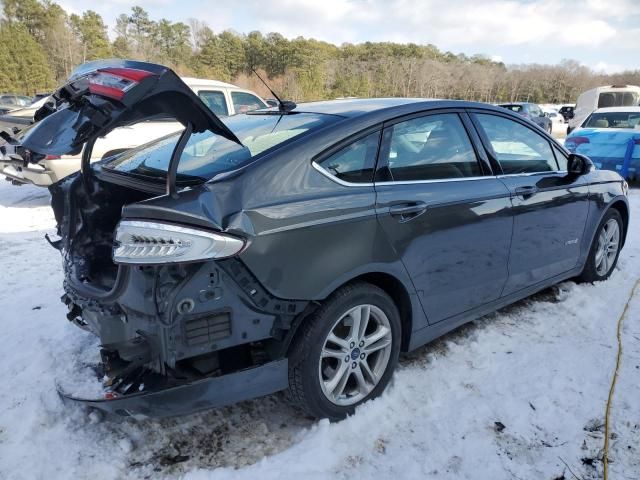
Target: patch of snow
516,394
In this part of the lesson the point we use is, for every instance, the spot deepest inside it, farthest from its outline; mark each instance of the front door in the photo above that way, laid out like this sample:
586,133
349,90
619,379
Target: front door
447,219
550,207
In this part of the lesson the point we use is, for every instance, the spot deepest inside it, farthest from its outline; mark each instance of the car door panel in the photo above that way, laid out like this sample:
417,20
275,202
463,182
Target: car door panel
456,251
452,234
548,227
550,208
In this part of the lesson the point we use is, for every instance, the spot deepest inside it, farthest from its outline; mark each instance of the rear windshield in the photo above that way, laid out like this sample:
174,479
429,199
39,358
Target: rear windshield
618,99
613,120
207,154
513,108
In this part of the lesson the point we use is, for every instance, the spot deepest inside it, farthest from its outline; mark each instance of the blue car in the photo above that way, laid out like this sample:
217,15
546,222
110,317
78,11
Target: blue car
610,137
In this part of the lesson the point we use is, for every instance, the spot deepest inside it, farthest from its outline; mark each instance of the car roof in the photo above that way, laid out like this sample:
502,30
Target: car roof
208,83
522,104
362,106
618,109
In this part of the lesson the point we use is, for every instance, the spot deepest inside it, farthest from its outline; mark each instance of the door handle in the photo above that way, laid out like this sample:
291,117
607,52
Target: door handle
527,191
407,211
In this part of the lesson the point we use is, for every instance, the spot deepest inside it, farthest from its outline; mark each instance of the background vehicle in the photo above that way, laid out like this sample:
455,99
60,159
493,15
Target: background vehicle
611,138
603,97
222,98
295,259
567,112
9,101
531,111
557,122
21,117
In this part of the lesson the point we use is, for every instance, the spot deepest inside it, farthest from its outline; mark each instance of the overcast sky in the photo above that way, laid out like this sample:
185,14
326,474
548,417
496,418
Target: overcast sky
604,35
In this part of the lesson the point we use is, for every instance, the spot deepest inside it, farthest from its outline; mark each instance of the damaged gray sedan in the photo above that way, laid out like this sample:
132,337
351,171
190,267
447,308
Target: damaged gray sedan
301,248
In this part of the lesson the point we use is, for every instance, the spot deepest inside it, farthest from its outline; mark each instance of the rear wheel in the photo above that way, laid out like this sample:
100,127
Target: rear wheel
345,353
604,252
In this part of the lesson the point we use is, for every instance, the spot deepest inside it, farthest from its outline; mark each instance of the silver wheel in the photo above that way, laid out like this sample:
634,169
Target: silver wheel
355,355
608,245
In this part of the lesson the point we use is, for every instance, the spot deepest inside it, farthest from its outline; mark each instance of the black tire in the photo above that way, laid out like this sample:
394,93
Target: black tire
305,388
590,271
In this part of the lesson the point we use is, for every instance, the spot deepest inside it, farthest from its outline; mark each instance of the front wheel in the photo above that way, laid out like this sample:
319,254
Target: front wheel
604,252
345,353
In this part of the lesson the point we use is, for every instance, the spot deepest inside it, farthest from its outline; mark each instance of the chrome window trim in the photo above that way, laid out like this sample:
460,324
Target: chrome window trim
435,180
332,177
335,179
530,174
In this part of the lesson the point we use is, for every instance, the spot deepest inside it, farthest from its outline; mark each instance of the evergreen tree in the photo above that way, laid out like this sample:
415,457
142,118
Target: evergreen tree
92,33
24,65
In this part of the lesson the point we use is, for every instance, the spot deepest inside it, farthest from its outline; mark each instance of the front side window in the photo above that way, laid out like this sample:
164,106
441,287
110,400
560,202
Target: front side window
214,99
431,148
356,162
245,102
517,148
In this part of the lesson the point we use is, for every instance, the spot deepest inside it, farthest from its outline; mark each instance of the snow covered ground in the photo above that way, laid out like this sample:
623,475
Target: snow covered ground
518,394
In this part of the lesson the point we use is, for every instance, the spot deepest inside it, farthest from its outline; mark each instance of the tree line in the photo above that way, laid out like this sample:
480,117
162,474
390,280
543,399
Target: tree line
42,44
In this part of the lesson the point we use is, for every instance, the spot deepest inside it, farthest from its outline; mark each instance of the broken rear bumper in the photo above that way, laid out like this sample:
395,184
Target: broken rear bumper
196,396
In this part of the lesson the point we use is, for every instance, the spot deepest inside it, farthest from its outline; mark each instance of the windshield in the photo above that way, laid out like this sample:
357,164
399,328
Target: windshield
613,120
207,154
618,99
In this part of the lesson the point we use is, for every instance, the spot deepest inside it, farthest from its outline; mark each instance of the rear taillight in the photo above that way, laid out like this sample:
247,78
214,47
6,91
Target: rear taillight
115,82
142,242
573,142
51,157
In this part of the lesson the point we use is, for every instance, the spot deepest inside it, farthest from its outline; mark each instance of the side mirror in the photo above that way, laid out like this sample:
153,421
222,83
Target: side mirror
579,164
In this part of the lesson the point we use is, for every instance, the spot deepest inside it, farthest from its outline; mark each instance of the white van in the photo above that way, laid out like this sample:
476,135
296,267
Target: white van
223,99
603,97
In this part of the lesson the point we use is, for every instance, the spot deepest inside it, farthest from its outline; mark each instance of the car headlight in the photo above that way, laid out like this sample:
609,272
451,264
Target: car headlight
142,243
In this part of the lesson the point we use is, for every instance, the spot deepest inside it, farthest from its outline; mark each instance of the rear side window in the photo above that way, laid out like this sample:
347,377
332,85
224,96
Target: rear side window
432,147
356,162
517,148
245,102
214,99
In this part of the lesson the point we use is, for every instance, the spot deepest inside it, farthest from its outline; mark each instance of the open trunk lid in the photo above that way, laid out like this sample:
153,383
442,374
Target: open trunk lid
104,95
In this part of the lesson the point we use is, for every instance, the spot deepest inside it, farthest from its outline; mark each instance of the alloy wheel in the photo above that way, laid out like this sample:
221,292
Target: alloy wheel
608,245
355,355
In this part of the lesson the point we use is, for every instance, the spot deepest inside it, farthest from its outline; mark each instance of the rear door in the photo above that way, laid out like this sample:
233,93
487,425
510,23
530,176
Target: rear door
550,207
444,213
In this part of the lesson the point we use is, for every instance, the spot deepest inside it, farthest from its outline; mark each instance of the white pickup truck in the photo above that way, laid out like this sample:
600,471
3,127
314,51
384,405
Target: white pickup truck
223,99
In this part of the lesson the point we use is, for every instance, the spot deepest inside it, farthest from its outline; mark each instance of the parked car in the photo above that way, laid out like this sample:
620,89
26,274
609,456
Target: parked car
603,97
567,111
222,98
303,247
557,122
21,117
10,101
531,111
611,138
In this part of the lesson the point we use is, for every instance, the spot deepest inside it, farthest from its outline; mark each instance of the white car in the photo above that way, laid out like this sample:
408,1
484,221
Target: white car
223,99
557,122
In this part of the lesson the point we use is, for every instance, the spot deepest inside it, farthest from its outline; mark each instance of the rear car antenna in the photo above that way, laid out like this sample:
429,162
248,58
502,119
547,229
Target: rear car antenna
284,106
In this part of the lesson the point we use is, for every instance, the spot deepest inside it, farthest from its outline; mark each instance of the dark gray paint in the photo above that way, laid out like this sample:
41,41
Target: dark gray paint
475,248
